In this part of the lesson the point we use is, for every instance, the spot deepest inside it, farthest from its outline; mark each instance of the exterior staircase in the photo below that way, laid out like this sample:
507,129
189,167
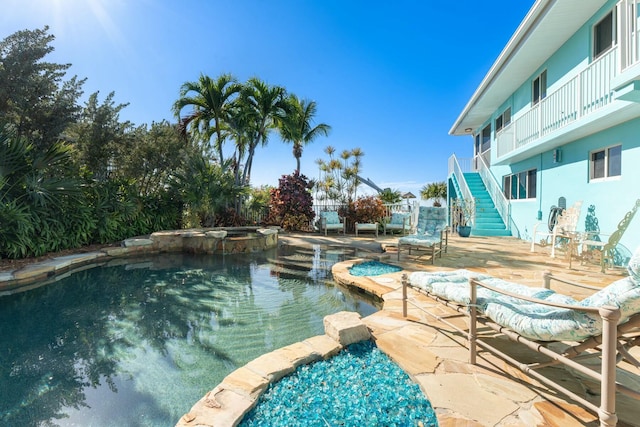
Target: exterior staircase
488,221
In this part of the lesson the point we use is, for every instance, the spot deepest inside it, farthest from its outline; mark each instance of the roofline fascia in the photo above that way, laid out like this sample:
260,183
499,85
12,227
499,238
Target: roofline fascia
530,21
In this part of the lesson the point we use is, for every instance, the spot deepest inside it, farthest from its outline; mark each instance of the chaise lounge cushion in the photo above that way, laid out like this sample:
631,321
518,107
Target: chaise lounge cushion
431,221
330,217
419,240
532,320
398,218
634,266
540,322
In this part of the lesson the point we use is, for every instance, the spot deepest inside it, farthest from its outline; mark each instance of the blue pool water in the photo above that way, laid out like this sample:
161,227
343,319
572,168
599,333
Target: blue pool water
373,268
138,344
360,386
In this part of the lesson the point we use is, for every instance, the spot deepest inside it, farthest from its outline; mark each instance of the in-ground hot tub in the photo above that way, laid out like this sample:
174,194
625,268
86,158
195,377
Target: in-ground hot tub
229,240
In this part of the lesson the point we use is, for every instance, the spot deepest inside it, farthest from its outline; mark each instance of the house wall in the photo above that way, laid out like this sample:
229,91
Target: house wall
569,178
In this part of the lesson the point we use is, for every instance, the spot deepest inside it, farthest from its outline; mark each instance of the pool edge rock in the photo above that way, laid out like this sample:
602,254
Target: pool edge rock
228,402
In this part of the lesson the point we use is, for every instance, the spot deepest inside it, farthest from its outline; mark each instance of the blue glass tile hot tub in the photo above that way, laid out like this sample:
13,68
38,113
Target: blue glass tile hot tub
360,386
373,268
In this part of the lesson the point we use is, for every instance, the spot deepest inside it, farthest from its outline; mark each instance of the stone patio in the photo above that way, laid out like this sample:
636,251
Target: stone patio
491,393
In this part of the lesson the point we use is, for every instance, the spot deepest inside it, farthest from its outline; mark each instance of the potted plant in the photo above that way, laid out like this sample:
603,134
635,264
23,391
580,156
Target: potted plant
463,212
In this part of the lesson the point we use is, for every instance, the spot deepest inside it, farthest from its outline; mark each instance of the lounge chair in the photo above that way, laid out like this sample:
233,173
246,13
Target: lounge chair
604,325
331,221
432,233
398,222
605,251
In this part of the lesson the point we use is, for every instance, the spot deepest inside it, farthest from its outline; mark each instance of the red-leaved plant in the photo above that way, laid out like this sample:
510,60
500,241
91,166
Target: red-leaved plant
292,203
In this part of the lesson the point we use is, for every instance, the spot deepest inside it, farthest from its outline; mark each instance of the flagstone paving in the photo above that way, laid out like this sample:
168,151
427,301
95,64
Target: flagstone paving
491,393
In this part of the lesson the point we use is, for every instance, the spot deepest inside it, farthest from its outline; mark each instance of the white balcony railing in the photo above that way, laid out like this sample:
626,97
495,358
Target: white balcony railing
628,23
585,93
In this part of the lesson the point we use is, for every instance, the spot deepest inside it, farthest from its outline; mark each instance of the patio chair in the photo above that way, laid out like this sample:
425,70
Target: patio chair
398,222
432,233
565,228
366,226
603,251
331,221
604,325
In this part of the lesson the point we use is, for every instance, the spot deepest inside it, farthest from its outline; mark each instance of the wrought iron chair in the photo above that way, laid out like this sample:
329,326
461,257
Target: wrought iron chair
605,252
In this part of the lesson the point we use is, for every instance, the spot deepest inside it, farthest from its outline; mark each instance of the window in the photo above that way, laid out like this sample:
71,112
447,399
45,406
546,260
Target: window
539,88
503,120
606,163
604,35
520,185
486,138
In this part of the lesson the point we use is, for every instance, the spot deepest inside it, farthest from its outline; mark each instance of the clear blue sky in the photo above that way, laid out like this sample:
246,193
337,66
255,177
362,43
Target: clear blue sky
388,77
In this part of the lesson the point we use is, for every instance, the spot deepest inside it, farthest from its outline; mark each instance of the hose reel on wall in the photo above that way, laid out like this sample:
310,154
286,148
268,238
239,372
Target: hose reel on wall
555,212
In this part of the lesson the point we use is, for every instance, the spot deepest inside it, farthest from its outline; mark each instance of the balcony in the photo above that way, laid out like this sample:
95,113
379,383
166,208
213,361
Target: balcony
577,108
587,92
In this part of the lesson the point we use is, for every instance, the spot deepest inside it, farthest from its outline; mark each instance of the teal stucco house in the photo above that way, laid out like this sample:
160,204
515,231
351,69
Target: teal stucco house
555,121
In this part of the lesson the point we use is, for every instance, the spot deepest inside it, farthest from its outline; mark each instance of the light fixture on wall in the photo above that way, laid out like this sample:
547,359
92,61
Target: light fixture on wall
557,155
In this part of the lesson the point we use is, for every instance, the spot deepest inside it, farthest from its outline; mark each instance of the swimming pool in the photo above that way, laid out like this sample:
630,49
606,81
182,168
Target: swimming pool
138,344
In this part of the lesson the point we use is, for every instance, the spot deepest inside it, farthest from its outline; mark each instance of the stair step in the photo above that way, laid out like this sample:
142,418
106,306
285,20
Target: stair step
488,221
490,227
504,233
491,221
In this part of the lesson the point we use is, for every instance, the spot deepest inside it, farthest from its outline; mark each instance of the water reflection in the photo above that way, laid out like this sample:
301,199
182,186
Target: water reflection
138,344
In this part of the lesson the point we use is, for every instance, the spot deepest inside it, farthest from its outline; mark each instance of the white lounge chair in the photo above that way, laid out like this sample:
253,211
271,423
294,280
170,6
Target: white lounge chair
565,228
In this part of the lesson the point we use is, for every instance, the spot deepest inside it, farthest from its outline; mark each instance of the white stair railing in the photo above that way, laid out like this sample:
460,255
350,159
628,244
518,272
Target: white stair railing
458,172
503,205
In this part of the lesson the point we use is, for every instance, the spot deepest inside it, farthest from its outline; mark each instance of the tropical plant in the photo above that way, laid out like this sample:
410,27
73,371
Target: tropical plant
463,211
292,203
34,98
390,196
150,156
257,204
206,190
211,101
265,104
339,176
295,123
99,137
35,190
435,191
369,209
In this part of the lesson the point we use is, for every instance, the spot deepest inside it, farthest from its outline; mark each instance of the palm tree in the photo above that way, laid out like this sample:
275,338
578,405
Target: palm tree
265,102
295,125
434,191
211,101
